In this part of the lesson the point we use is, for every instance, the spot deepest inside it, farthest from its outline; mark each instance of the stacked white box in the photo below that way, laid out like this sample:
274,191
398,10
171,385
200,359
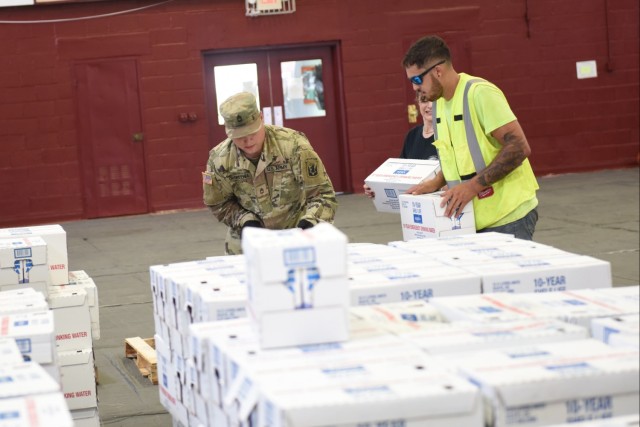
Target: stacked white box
605,328
239,369
508,264
33,333
411,284
298,285
459,337
386,394
89,417
78,378
9,352
576,307
81,278
423,218
549,274
554,383
394,177
23,263
399,313
169,384
70,307
625,421
23,303
186,293
25,379
40,410
56,239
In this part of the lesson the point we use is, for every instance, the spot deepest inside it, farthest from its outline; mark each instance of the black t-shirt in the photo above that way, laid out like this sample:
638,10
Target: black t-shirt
417,147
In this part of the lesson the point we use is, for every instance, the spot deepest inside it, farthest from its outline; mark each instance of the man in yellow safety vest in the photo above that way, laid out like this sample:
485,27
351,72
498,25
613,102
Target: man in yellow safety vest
482,148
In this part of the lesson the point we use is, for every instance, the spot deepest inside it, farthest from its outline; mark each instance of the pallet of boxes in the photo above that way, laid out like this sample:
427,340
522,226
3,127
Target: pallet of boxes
472,330
49,318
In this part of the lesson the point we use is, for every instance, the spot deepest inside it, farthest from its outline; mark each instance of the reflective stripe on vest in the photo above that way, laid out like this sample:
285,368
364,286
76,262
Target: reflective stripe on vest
472,139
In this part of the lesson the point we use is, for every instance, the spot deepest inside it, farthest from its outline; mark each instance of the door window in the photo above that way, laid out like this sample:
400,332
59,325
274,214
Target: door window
303,89
231,79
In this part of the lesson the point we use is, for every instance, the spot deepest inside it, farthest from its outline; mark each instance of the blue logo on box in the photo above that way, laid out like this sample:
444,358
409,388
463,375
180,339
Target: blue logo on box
9,415
417,218
401,172
391,193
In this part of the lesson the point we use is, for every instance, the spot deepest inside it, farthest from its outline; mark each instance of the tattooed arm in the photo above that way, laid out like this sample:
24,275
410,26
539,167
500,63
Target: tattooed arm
515,149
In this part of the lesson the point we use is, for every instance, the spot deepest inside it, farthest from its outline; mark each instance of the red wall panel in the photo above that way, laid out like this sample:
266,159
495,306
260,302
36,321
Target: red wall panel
571,124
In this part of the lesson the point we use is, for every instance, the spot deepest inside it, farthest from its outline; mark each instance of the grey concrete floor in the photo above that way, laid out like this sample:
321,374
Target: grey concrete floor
588,213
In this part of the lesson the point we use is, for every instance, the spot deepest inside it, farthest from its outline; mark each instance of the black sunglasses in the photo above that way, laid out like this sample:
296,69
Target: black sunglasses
417,80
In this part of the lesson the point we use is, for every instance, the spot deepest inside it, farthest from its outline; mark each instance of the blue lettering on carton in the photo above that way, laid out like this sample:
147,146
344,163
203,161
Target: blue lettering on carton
10,415
417,218
401,172
489,309
315,348
344,371
416,294
590,408
368,390
570,368
574,302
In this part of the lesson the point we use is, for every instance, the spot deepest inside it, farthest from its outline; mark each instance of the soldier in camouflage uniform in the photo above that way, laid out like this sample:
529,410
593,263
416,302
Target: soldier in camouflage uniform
264,176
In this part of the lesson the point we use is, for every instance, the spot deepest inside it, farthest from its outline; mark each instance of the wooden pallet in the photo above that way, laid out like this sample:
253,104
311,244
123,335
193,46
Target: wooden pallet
144,353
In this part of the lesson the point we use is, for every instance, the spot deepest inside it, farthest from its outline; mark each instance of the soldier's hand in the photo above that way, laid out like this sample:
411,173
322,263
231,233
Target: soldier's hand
304,224
368,191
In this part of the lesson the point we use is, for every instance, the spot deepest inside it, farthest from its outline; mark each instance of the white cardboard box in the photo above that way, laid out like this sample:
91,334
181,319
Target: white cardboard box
33,333
298,289
604,327
544,274
576,307
459,337
394,177
41,410
553,383
625,421
24,304
25,379
70,307
78,378
169,386
56,238
9,352
23,263
89,417
423,218
90,287
412,284
403,397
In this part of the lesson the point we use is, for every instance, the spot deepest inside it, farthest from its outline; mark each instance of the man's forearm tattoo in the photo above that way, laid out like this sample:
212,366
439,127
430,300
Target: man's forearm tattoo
510,157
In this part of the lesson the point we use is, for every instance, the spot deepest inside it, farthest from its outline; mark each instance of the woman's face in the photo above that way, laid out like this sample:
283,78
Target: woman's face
425,107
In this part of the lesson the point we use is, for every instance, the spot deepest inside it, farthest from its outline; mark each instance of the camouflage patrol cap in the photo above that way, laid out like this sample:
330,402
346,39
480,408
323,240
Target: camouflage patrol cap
241,115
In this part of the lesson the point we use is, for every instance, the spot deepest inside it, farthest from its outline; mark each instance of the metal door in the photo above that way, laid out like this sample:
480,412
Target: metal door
111,139
296,88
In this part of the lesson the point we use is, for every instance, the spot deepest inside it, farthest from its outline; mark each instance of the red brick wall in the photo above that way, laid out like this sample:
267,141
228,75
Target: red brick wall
571,124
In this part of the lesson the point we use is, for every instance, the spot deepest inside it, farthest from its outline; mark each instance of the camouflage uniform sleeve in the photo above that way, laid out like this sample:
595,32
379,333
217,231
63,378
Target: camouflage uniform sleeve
220,198
321,202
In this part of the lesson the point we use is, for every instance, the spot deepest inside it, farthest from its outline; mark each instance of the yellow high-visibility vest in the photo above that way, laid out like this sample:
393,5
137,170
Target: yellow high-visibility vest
464,150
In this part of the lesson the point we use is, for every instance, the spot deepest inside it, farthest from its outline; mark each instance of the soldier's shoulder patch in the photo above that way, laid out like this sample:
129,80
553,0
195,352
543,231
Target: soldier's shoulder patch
207,178
311,167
